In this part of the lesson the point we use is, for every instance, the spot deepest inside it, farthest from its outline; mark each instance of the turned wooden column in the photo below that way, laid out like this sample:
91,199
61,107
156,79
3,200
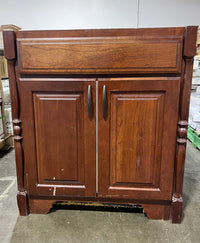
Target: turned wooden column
189,52
10,54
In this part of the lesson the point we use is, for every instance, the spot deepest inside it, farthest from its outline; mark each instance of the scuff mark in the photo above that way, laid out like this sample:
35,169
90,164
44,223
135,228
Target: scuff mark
54,191
138,162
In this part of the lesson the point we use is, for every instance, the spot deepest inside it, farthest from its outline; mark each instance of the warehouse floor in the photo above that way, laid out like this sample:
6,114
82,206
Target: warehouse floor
98,226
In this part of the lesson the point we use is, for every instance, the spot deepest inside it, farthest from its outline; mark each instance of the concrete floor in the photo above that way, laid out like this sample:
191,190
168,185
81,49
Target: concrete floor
98,226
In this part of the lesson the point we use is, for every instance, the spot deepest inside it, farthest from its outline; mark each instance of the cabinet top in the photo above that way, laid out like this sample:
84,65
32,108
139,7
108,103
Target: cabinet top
174,31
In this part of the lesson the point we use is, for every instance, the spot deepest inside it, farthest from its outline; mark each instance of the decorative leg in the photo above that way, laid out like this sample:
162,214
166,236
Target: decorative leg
22,202
10,54
177,208
177,200
22,199
188,53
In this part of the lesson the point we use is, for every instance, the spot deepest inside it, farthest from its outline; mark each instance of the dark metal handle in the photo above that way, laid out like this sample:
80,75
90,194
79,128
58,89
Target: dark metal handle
104,101
89,101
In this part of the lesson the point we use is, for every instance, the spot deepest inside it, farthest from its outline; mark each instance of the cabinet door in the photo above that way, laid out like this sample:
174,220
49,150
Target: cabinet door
59,136
137,137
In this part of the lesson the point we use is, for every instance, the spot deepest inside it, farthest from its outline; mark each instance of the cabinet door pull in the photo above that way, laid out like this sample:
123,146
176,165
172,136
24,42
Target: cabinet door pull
89,101
104,101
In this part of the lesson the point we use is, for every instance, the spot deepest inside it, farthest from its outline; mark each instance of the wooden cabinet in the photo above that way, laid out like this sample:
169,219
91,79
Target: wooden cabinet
101,116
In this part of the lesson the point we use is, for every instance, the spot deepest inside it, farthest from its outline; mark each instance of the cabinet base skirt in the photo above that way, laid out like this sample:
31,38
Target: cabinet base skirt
153,209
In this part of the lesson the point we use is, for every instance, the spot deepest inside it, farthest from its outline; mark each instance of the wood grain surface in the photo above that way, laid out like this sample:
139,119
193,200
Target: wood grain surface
136,137
100,55
59,137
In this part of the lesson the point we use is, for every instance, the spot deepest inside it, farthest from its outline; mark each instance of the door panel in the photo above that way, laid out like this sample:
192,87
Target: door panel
63,116
137,137
59,136
132,157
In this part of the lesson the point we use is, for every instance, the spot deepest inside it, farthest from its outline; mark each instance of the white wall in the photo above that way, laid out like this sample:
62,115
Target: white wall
169,13
69,14
75,14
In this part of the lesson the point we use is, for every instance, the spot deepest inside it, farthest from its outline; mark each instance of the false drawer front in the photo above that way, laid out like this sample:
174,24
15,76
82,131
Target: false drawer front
100,55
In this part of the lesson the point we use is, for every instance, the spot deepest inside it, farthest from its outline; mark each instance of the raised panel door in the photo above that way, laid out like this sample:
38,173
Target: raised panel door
59,128
137,136
59,136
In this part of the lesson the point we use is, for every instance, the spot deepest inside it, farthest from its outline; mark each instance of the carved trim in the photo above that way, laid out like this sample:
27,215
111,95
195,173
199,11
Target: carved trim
180,158
188,54
17,130
19,153
182,132
10,53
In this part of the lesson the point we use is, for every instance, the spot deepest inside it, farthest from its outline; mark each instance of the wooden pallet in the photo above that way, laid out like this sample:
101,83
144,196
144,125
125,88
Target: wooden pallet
194,137
6,142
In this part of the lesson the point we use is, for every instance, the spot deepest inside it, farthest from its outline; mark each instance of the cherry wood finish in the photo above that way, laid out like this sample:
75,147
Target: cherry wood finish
176,31
140,124
10,52
131,150
98,55
59,137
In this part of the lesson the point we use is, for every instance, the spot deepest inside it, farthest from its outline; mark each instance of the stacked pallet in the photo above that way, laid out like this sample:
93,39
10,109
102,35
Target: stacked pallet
6,133
194,115
6,104
1,121
194,119
196,70
198,45
6,130
194,137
